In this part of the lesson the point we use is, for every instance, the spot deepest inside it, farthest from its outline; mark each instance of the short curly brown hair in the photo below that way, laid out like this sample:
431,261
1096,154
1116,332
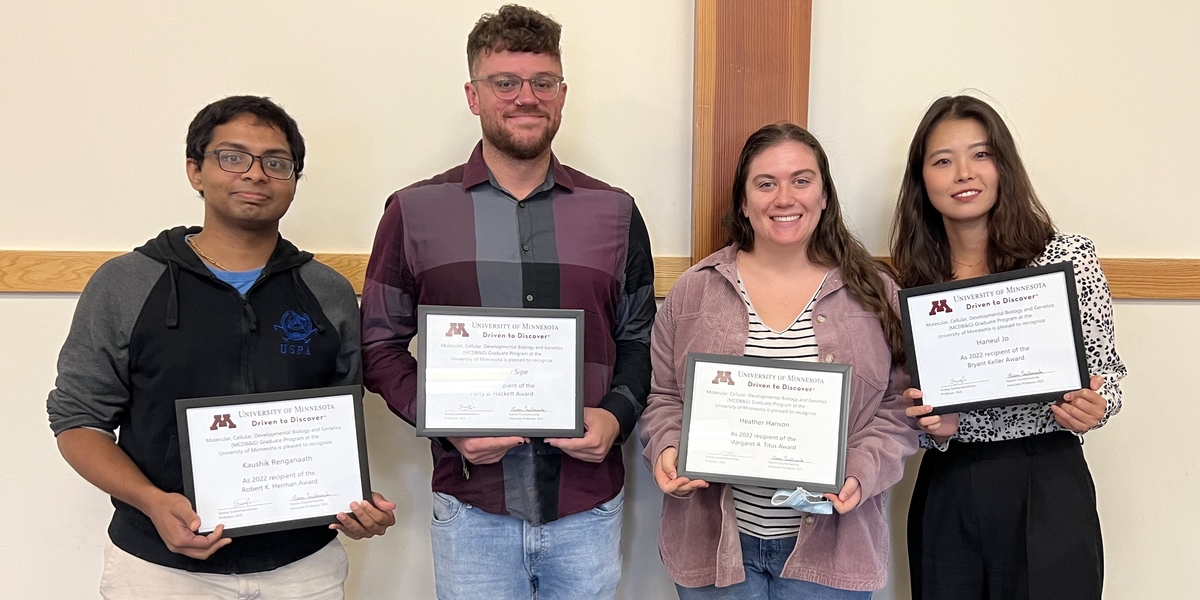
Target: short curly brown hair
513,28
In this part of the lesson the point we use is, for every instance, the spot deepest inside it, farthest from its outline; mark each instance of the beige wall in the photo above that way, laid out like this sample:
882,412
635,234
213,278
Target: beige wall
95,98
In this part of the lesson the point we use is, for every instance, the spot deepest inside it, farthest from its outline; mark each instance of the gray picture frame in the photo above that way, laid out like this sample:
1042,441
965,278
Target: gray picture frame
424,311
182,405
847,372
1066,269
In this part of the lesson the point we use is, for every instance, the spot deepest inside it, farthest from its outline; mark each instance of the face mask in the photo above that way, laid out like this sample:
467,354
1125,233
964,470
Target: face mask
802,501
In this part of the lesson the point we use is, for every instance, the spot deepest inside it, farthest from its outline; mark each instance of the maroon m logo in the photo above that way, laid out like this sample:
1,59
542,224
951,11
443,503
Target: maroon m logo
222,421
940,306
458,329
723,377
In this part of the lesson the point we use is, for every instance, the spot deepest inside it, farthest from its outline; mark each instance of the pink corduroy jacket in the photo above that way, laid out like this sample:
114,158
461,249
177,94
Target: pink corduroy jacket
698,536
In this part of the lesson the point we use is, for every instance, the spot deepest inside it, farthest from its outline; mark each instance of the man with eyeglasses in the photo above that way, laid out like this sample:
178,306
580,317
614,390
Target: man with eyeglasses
513,227
199,312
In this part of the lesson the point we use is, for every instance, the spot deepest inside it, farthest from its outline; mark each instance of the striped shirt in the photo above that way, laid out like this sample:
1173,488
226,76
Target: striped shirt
755,515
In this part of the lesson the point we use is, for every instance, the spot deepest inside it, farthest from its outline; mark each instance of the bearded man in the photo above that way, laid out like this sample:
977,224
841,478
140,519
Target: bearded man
515,517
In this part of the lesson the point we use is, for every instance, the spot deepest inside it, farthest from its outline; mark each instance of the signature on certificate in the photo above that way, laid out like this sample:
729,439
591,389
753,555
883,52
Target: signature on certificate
310,496
787,459
958,380
527,409
466,406
1028,374
245,503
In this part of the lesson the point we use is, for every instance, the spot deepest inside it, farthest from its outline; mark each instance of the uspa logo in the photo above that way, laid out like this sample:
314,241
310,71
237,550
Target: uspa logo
296,328
459,329
723,377
222,421
940,306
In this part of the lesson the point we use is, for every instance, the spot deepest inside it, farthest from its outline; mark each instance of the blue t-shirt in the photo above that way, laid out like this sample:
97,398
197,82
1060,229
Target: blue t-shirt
241,280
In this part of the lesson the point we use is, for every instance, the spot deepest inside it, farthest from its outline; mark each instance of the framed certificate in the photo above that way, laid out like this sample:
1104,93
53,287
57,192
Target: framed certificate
269,462
997,340
767,422
485,372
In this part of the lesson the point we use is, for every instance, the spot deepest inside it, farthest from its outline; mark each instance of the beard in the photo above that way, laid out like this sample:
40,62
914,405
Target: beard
504,141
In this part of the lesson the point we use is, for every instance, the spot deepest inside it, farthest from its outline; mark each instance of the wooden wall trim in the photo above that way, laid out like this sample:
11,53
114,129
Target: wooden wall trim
34,271
67,272
1153,278
751,68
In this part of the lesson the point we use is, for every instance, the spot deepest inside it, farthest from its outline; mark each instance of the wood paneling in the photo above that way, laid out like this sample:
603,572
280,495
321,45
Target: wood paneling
48,271
751,69
1153,278
666,270
68,272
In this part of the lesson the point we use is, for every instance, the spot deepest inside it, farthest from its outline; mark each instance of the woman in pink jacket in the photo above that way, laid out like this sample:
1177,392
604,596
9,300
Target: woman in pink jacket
794,284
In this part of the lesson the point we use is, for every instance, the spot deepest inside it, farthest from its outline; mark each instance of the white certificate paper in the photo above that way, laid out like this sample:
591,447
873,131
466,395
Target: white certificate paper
995,340
259,464
765,422
488,372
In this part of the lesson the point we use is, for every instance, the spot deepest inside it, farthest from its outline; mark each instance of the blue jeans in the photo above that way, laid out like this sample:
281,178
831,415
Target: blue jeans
481,556
763,561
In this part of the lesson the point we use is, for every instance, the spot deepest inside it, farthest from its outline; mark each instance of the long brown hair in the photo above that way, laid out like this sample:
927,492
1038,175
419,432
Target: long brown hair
1018,225
832,244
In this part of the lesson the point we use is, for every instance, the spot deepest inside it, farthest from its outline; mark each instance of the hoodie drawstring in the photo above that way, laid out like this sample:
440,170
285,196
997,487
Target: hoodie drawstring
173,297
250,315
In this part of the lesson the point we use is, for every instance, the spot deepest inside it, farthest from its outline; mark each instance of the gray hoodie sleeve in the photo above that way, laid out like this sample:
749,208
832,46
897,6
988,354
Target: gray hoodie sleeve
92,388
340,306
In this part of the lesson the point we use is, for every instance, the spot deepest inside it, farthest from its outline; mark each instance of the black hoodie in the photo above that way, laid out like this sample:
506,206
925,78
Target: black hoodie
156,325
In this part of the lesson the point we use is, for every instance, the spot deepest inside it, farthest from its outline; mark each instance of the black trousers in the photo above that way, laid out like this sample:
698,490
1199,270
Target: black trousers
1010,520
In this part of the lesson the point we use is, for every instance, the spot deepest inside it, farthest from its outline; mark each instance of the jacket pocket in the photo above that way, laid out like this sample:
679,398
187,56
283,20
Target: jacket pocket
872,357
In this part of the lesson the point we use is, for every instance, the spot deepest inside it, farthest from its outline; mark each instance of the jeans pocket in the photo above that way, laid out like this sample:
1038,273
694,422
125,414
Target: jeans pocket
611,507
446,509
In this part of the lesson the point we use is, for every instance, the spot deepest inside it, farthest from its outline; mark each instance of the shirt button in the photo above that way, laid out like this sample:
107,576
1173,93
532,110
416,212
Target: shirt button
525,247
828,358
529,297
809,520
820,318
521,204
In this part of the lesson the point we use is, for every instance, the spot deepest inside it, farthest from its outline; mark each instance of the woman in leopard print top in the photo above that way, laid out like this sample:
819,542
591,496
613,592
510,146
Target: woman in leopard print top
1004,505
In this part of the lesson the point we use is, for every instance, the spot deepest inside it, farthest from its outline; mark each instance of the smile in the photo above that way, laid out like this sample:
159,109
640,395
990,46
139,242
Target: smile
785,219
251,196
966,194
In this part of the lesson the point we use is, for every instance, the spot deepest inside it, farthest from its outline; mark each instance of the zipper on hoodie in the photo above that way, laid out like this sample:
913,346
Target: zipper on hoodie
251,332
251,327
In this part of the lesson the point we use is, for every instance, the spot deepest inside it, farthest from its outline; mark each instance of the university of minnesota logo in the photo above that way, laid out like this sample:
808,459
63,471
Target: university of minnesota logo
222,421
296,329
459,329
940,306
723,377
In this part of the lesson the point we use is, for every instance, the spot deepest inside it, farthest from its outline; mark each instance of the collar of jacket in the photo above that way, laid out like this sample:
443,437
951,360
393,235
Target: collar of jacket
724,261
171,246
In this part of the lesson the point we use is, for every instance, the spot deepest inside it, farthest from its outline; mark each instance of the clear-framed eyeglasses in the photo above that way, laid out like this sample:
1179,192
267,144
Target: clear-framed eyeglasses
237,161
507,86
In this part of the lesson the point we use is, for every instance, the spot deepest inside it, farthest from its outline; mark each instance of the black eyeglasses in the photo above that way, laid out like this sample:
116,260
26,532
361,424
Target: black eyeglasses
507,86
237,161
